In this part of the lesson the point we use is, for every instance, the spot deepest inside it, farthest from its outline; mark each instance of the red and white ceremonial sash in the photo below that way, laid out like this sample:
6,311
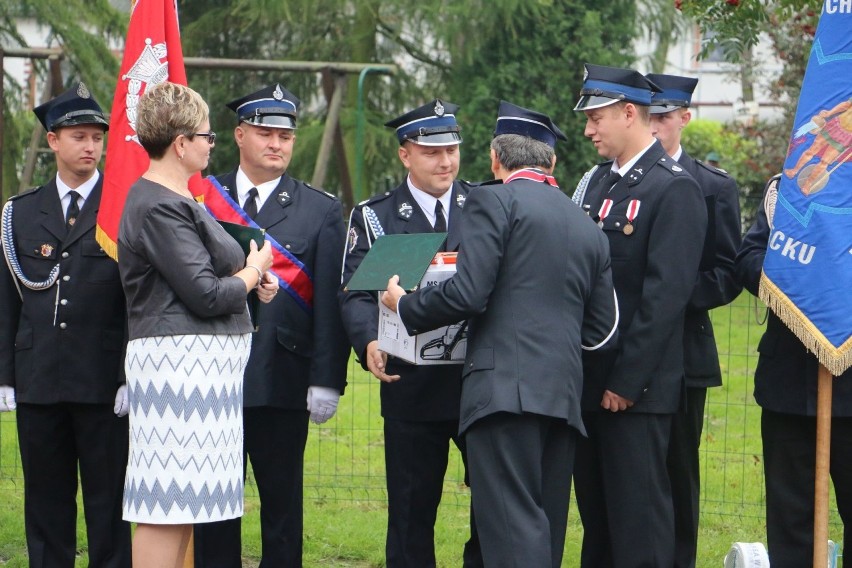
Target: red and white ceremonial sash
533,175
292,274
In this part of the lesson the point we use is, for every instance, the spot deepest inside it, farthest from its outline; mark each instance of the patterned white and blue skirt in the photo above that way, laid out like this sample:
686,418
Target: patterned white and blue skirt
186,428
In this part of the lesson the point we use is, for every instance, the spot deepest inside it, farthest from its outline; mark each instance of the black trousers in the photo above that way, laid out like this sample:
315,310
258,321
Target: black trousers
789,456
623,491
520,473
416,457
685,475
56,439
274,441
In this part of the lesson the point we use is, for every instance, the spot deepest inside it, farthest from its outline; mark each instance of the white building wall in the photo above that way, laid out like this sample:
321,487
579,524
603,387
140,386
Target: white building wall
719,94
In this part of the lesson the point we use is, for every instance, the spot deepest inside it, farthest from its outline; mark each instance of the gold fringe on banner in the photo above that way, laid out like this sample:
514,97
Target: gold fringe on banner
835,359
110,247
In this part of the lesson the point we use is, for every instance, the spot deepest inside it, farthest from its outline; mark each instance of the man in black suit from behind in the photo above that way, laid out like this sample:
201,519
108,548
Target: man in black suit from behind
420,404
654,217
297,367
715,286
62,339
534,283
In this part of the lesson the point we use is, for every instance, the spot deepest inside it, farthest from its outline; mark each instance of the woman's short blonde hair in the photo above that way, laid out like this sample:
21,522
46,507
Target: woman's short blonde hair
165,112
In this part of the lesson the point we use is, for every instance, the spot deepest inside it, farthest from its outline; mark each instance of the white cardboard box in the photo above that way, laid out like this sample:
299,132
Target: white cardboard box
442,346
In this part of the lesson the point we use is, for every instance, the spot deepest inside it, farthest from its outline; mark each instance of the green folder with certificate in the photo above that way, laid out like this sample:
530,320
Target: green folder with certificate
405,255
244,235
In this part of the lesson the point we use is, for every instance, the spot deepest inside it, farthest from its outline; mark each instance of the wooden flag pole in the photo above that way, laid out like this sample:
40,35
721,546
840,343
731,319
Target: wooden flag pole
823,460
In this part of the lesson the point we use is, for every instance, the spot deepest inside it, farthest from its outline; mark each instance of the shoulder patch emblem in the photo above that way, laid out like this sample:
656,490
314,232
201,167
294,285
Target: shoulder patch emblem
460,199
353,239
405,210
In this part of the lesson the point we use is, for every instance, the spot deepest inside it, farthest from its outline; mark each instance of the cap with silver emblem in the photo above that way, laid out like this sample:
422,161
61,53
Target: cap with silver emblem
73,107
270,107
433,124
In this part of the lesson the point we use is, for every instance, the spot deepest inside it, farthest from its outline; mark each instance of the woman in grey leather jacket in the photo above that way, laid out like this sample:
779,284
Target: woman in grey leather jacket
186,282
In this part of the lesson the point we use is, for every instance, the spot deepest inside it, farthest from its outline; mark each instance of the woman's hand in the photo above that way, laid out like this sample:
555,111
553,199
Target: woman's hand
268,288
261,258
257,263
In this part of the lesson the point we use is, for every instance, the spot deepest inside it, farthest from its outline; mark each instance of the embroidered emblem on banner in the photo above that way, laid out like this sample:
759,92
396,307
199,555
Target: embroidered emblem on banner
811,219
151,68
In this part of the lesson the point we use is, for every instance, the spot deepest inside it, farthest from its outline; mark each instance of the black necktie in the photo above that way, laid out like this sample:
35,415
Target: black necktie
613,178
250,205
600,191
440,221
73,210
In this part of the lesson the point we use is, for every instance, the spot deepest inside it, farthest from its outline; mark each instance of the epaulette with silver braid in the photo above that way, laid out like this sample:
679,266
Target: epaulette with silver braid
582,186
11,255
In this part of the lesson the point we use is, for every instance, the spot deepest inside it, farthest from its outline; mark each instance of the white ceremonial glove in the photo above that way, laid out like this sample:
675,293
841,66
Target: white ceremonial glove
7,399
122,404
322,403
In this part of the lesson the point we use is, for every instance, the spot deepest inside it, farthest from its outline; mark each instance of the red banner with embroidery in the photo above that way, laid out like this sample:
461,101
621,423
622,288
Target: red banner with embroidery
292,274
152,54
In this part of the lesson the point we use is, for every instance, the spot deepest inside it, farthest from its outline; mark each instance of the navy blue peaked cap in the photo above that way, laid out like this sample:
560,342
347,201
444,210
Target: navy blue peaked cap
270,107
74,106
676,92
433,124
604,86
513,119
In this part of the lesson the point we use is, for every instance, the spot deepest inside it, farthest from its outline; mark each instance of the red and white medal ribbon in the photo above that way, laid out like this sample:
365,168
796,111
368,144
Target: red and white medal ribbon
606,207
633,209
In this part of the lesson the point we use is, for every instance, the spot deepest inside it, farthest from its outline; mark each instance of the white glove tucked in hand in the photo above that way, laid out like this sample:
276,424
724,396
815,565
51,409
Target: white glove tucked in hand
7,399
322,403
122,404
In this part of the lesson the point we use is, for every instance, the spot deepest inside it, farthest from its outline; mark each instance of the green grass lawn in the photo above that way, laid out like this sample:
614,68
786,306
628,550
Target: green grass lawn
345,501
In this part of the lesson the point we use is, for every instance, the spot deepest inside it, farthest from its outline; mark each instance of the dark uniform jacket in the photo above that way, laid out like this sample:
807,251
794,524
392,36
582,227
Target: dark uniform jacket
654,270
79,357
716,284
294,348
786,376
424,393
534,278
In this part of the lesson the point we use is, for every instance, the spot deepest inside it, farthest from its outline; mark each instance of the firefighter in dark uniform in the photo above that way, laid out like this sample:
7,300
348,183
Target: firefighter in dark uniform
715,286
62,338
654,217
297,367
785,387
420,404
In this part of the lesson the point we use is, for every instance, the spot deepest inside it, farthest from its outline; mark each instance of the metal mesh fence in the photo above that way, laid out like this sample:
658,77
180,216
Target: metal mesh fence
345,459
